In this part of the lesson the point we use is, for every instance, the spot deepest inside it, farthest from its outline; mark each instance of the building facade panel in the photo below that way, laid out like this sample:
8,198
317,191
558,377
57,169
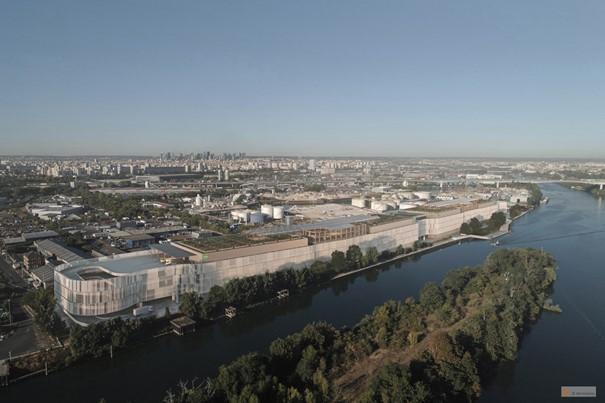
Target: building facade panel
112,284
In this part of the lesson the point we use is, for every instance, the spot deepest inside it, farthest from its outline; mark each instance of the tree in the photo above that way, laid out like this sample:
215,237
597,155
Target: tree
192,305
497,219
475,225
319,269
338,262
446,366
431,296
42,301
94,340
465,228
371,255
354,256
214,300
393,383
307,364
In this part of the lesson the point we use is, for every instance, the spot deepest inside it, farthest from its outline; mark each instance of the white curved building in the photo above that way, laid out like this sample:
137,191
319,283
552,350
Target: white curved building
112,284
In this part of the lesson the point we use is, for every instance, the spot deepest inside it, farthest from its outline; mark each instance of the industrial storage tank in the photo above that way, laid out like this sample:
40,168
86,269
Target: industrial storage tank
267,209
240,215
379,206
405,206
256,218
358,202
278,212
423,195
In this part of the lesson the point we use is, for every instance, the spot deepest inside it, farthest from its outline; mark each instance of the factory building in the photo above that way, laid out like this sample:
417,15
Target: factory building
358,202
112,285
441,223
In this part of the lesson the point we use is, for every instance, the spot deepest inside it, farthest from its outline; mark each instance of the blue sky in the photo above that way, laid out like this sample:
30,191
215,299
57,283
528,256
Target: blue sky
371,78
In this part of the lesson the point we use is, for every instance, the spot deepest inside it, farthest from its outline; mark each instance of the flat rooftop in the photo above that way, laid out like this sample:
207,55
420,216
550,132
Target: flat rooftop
334,223
327,211
116,265
215,243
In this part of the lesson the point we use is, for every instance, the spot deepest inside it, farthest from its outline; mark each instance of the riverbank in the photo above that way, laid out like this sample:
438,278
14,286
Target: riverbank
593,190
249,308
536,375
427,349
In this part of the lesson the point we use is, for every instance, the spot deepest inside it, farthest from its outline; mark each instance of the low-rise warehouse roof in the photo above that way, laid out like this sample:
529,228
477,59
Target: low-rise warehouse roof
29,237
171,250
50,248
45,274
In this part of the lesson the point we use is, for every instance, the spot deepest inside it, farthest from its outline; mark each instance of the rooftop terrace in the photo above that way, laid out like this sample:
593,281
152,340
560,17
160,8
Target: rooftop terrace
233,241
117,265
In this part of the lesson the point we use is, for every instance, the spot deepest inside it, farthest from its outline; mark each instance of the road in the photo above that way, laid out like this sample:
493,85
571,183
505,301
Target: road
23,337
14,278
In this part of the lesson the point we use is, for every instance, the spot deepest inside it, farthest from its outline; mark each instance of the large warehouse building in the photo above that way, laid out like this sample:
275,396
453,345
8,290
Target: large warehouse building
113,284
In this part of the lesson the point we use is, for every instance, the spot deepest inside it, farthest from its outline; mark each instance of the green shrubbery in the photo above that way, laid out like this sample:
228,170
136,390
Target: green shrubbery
254,289
42,302
476,227
490,305
96,340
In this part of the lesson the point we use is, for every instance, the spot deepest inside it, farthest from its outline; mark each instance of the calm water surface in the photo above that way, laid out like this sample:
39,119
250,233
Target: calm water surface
565,349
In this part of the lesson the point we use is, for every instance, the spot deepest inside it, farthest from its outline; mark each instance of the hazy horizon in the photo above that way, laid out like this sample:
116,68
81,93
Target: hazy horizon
392,79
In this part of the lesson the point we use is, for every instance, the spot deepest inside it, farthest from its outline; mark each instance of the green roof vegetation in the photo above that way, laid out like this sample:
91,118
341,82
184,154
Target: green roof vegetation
233,241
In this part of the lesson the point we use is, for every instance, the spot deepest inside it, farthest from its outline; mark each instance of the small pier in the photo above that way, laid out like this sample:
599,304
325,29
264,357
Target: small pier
230,312
183,325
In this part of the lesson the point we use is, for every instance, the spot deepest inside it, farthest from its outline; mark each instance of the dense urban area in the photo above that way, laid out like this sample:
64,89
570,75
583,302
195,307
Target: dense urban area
102,253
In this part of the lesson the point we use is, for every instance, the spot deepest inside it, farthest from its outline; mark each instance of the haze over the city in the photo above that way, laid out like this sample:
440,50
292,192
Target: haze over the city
413,78
287,201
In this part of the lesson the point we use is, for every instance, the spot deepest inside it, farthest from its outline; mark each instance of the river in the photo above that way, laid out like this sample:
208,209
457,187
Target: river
559,349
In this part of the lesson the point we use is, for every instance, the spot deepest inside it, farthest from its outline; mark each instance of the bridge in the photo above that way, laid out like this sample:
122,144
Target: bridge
595,182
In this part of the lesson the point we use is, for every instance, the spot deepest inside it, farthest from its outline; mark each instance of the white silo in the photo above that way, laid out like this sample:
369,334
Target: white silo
278,212
423,195
267,210
198,201
405,206
358,202
379,206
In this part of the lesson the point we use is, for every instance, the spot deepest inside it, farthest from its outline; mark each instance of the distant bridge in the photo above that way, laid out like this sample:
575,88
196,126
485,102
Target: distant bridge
596,182
497,182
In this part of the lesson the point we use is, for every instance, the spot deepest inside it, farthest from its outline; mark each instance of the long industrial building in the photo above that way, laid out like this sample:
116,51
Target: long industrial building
111,285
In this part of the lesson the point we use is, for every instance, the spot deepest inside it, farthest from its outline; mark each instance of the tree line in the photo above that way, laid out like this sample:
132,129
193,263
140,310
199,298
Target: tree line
242,292
476,227
462,328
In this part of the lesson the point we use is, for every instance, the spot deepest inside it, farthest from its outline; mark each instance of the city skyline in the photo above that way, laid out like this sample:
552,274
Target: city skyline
413,79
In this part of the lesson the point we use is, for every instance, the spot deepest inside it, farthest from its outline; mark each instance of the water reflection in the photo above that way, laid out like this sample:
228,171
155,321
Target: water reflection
557,350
